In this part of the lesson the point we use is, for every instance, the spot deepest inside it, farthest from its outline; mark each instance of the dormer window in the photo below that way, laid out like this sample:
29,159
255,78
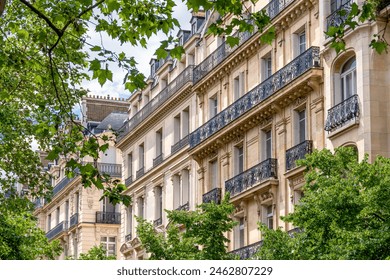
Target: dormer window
193,27
181,40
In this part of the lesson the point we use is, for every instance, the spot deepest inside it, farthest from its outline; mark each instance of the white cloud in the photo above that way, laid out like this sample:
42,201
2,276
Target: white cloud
141,55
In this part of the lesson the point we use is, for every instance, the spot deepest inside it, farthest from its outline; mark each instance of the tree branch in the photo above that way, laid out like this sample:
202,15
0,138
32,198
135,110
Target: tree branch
2,6
43,16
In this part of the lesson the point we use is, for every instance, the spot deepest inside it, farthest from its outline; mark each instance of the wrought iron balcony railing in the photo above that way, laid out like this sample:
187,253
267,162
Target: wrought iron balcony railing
298,152
74,220
129,180
183,78
213,195
342,113
264,170
140,172
158,160
157,222
128,237
247,252
61,185
274,8
108,217
61,227
307,60
340,15
180,145
184,207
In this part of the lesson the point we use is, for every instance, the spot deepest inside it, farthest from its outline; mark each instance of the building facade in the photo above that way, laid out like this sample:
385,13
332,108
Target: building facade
235,119
75,215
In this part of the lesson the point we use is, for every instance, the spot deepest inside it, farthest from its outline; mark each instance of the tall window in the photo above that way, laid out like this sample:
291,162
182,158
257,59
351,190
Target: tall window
108,207
213,174
239,86
336,4
76,202
49,222
301,126
302,42
109,245
129,165
58,215
141,207
177,129
239,159
266,65
268,144
129,220
158,200
213,106
159,144
185,122
239,240
67,210
270,217
348,79
141,154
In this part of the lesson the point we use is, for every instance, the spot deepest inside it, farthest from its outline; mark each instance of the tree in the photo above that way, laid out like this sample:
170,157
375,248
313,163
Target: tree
20,238
344,213
45,56
196,235
95,253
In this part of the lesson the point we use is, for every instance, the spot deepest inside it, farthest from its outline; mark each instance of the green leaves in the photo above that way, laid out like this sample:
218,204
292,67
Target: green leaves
344,213
205,227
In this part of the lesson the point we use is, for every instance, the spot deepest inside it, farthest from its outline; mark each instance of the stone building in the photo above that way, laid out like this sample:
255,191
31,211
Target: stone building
75,215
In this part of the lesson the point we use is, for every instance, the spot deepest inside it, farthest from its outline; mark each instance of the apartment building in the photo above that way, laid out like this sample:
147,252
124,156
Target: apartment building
75,215
235,119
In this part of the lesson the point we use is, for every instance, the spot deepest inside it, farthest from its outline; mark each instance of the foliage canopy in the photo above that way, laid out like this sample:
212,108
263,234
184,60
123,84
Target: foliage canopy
344,213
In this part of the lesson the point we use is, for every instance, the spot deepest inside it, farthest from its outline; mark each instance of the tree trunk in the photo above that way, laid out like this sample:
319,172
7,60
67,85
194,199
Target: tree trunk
2,6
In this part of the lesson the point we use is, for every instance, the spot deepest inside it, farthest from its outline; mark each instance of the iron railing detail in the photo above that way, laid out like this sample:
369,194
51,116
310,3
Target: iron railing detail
184,207
274,8
247,252
307,60
108,217
157,222
128,237
298,152
74,220
129,180
342,113
339,16
183,78
264,170
61,227
213,195
180,144
140,172
61,185
158,160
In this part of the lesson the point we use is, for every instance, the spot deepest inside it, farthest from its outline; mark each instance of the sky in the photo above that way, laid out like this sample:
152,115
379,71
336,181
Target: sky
141,55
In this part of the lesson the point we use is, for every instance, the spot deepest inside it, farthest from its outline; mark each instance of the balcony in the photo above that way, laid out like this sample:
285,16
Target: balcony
140,172
57,230
108,217
129,180
158,160
61,185
247,252
265,170
157,222
213,195
342,113
180,145
339,15
184,207
112,169
128,237
274,8
304,62
297,152
153,105
74,220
